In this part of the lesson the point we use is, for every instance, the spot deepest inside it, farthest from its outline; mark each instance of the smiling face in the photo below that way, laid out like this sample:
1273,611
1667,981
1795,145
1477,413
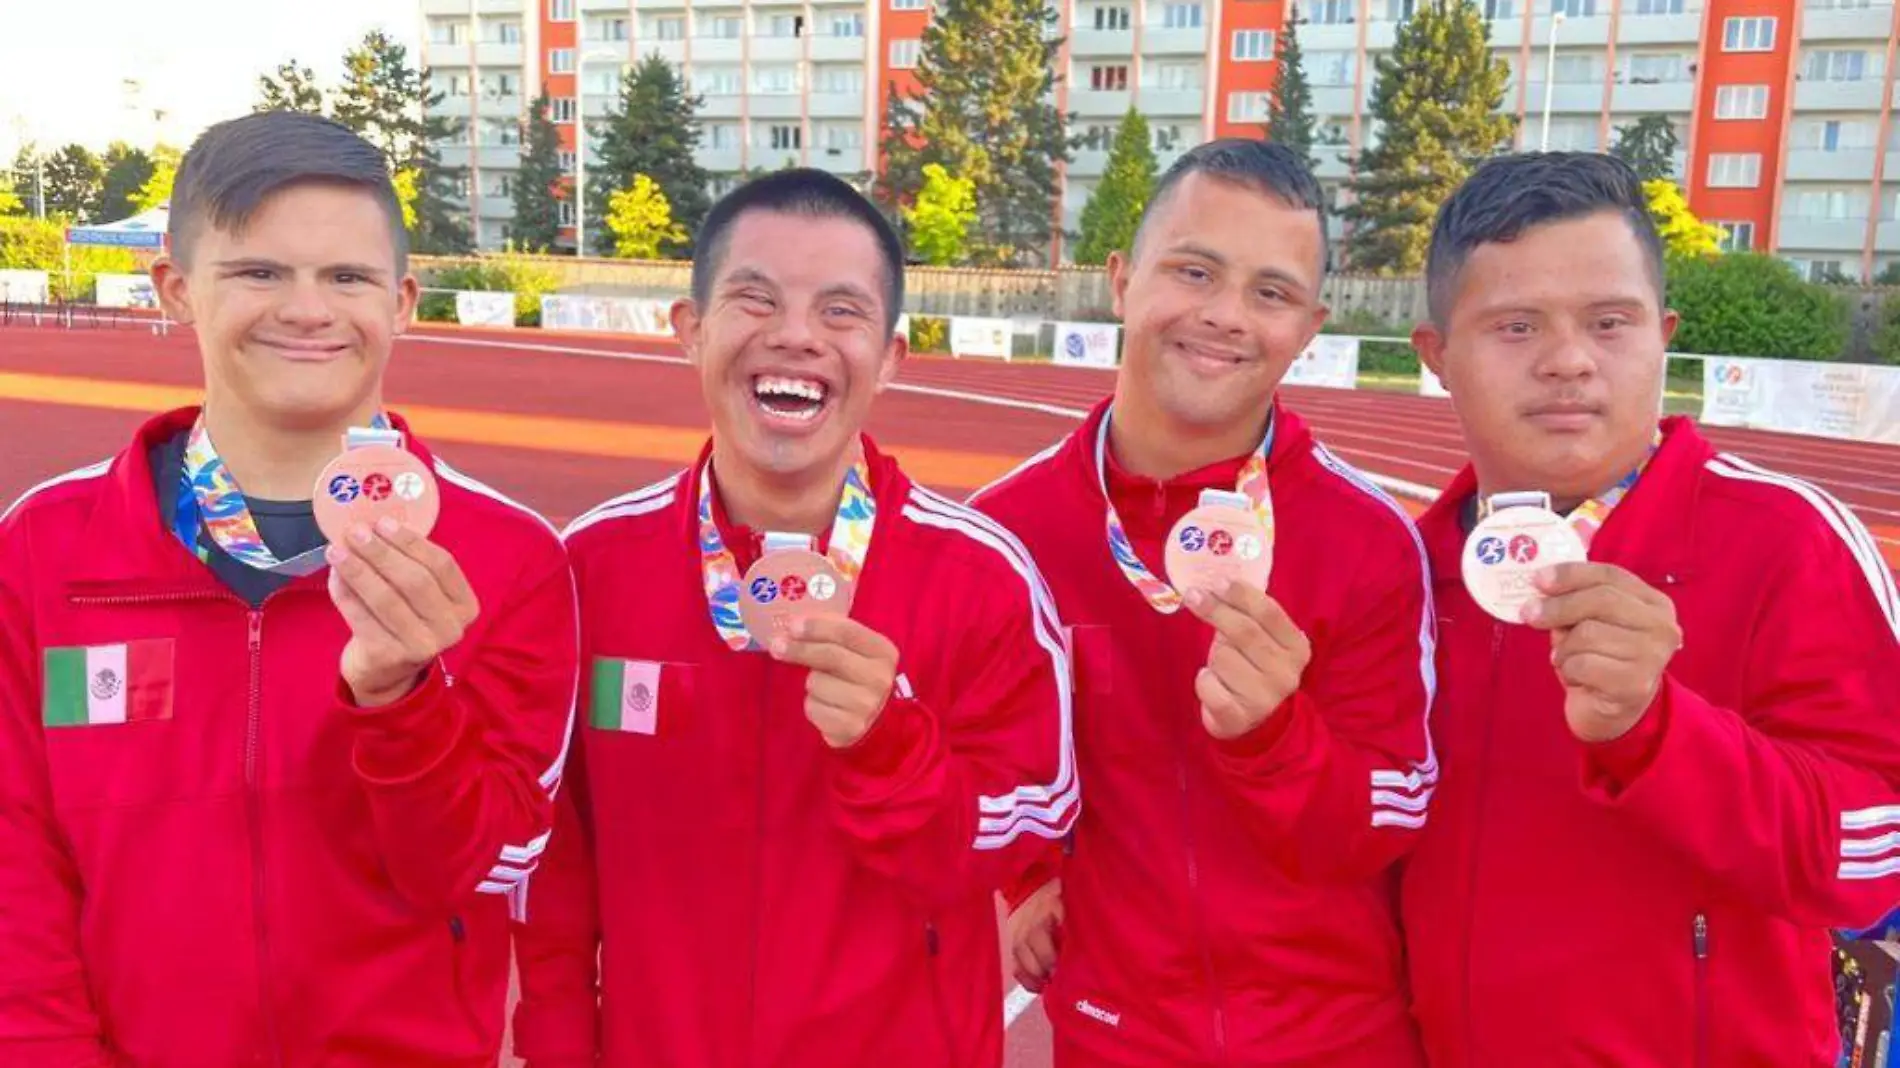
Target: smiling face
1553,350
296,312
1221,296
793,343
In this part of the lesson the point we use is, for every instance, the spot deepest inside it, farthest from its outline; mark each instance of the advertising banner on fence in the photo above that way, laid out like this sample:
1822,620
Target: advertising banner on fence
484,309
980,337
124,291
1086,344
1330,361
615,315
23,287
1835,400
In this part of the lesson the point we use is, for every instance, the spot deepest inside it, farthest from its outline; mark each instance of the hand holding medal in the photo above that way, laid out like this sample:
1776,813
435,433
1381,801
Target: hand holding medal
797,605
404,598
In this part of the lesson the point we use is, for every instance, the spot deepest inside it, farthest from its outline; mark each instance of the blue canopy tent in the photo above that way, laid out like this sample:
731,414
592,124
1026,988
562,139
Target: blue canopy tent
144,231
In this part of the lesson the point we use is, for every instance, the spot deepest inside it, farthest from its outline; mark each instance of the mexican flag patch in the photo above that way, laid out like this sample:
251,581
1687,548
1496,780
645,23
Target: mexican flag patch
626,696
96,685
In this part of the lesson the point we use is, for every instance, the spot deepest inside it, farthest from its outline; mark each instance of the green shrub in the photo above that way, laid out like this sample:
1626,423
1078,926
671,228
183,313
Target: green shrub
505,272
39,245
929,333
1753,304
1886,346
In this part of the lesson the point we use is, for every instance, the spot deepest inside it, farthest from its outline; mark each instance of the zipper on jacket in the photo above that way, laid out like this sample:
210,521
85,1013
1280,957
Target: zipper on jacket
758,870
931,949
254,817
1215,996
1477,846
1701,943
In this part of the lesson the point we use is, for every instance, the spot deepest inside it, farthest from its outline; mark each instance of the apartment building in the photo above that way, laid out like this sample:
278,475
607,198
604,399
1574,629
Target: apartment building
1784,107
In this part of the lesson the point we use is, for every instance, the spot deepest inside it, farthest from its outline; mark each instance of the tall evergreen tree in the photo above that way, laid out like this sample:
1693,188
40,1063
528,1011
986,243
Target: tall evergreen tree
537,222
1290,117
653,130
1114,207
1436,104
26,178
74,180
390,103
1649,146
293,89
984,110
127,170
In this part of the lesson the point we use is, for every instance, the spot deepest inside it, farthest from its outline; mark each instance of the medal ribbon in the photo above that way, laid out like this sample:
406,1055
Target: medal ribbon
1162,597
1588,518
209,500
850,541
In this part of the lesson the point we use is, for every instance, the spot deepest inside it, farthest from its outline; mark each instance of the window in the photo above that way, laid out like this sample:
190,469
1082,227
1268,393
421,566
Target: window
1253,45
508,33
1741,102
1829,204
846,24
904,53
1573,135
842,136
1175,77
1657,7
1111,18
1499,9
780,25
1834,135
1399,10
1830,65
718,81
1657,69
500,185
1109,79
1329,68
1181,17
1748,35
560,61
1098,138
560,10
1248,107
782,137
725,27
1332,12
448,33
722,184
561,109
567,162
1579,69
1840,5
501,132
775,80
723,136
839,79
599,82
567,213
1165,138
669,29
453,85
1574,9
1737,236
1735,170
503,84
909,5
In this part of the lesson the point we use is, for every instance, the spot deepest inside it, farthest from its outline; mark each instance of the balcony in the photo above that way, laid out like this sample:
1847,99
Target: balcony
490,157
594,105
1333,100
1861,24
1566,98
496,54
837,105
1575,33
1662,97
673,52
1331,160
724,106
1887,237
1089,103
1685,28
777,50
1102,43
1160,41
1860,95
1159,103
839,160
1815,165
661,5
1507,34
605,5
1798,234
718,49
498,207
719,159
1332,37
775,106
828,49
1089,163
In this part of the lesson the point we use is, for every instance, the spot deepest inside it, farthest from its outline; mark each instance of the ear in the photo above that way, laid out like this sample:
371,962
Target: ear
1321,312
1670,321
684,315
174,295
1120,267
894,356
1429,343
408,292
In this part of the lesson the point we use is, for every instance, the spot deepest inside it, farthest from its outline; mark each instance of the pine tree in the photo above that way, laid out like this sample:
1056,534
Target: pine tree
390,104
293,89
1290,116
74,180
1436,104
127,171
653,130
157,189
26,178
1114,208
537,222
1649,146
983,109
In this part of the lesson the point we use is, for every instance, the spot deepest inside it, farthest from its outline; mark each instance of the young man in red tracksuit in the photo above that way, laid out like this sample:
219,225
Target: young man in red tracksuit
1256,762
785,853
1665,785
253,812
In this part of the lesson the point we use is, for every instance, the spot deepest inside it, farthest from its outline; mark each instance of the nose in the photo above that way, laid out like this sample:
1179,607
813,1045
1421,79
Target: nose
305,305
1567,355
791,329
1223,310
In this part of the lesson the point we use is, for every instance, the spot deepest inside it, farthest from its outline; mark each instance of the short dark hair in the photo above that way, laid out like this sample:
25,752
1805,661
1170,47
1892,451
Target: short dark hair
1511,194
802,191
1267,167
234,166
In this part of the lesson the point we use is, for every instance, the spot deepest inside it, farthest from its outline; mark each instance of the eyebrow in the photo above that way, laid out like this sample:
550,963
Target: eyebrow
253,263
846,289
746,276
1264,274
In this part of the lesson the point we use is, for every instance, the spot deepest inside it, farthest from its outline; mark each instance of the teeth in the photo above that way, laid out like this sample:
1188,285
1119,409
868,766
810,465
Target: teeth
803,388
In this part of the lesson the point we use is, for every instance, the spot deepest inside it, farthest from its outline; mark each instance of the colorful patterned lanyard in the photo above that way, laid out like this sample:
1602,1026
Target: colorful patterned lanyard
209,499
1251,484
850,541
1588,518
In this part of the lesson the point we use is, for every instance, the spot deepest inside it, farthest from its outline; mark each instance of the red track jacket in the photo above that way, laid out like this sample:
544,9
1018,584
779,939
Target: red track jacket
264,874
1661,901
1234,903
754,897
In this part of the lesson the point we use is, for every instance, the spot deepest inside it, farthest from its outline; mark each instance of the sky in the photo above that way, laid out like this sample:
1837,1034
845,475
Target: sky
64,63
